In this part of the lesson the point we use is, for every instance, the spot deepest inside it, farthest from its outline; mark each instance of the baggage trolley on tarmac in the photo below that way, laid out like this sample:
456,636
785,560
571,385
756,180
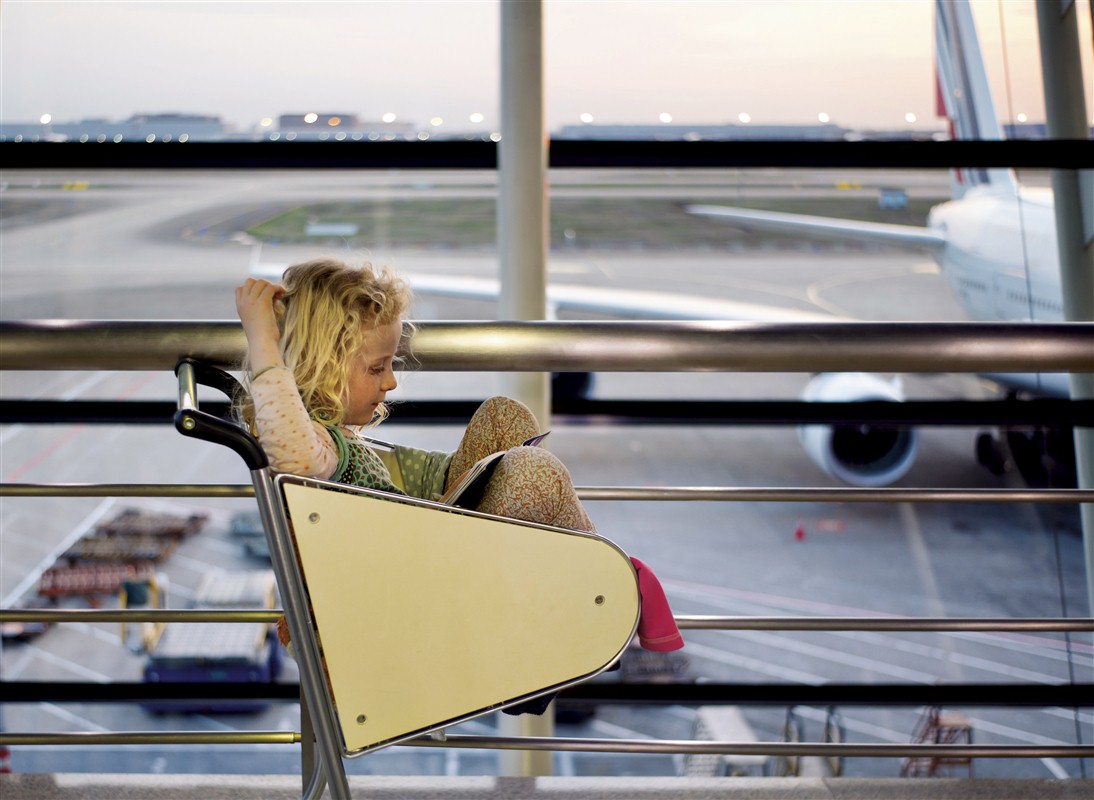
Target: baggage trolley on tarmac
408,616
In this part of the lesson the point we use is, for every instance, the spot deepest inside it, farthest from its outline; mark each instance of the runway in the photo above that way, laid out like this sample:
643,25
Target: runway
127,248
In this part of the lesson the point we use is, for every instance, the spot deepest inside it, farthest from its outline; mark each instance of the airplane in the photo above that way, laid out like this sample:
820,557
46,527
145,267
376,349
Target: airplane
995,242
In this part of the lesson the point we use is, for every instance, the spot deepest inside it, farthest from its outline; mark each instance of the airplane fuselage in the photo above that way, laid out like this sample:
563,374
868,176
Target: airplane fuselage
1000,255
1001,262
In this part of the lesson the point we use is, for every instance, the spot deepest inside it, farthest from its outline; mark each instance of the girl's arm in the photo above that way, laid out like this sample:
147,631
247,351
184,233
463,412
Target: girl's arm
255,305
292,441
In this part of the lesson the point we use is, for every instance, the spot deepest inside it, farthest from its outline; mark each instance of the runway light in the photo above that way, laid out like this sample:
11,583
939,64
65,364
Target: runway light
45,119
310,118
909,117
334,122
664,116
477,118
1022,117
824,117
587,118
495,136
436,122
388,117
744,117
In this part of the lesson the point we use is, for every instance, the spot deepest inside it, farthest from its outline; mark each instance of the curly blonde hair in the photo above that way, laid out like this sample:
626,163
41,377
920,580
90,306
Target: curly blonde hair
327,311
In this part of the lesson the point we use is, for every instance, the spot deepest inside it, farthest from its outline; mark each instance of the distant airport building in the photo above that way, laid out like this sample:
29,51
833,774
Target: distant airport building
684,132
317,122
139,127
352,127
323,127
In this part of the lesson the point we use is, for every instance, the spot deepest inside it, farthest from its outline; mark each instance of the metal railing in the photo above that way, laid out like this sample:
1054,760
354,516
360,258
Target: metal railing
714,346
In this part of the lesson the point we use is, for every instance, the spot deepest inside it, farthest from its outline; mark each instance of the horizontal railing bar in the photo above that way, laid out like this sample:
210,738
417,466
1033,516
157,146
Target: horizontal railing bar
833,495
1038,412
164,737
685,621
665,746
756,748
739,623
561,154
212,490
993,695
593,346
80,615
131,692
650,493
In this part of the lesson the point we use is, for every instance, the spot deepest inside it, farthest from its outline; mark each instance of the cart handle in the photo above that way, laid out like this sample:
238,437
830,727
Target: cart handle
189,421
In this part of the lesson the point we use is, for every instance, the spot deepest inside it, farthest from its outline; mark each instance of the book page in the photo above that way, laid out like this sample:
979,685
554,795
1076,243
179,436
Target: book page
469,489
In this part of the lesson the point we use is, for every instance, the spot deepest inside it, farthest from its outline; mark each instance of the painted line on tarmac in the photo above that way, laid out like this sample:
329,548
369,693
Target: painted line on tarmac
69,665
753,664
95,378
83,723
832,655
81,528
1026,644
945,654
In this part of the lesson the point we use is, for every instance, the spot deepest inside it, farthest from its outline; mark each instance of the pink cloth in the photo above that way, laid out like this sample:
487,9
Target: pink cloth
656,627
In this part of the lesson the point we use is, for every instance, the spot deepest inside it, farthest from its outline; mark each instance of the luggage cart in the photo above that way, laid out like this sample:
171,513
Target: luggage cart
408,616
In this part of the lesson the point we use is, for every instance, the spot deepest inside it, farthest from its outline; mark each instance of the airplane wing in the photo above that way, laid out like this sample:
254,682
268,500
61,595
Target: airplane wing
622,302
828,227
628,303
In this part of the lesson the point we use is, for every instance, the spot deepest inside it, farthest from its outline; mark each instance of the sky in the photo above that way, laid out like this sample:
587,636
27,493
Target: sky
864,63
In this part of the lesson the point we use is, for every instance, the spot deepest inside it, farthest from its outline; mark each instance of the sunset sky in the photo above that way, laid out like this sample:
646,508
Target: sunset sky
864,64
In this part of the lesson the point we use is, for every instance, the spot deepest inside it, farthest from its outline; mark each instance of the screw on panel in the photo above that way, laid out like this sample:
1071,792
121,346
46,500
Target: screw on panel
361,719
600,600
313,517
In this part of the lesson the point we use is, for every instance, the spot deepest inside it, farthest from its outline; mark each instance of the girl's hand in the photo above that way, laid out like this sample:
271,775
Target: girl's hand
255,305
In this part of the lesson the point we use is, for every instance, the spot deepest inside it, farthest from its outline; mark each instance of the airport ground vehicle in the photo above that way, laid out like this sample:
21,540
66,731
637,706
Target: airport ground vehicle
246,526
217,652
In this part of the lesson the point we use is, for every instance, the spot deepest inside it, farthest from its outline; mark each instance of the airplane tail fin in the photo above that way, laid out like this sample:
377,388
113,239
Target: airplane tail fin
964,94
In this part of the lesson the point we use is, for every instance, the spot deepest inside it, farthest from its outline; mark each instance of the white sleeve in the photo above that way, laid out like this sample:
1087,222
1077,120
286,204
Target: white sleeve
293,442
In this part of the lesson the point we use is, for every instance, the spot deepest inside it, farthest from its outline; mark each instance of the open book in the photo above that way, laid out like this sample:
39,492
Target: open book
469,489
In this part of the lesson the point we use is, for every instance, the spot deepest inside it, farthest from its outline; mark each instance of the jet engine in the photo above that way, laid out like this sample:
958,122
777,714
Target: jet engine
859,454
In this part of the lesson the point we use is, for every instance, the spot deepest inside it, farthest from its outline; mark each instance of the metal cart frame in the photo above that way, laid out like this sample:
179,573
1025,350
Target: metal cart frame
587,615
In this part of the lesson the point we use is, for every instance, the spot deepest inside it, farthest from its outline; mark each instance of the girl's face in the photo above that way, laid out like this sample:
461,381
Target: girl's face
372,373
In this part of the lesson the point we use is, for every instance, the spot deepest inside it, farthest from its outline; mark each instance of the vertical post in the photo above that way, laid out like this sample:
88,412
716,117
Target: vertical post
522,186
1066,117
522,253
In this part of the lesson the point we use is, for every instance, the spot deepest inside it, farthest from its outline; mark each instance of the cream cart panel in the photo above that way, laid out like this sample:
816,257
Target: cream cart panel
427,615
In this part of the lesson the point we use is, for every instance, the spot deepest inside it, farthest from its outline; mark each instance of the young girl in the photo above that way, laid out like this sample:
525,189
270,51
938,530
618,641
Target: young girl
322,350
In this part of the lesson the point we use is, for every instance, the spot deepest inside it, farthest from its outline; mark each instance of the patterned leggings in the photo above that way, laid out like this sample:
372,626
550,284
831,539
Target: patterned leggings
530,483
